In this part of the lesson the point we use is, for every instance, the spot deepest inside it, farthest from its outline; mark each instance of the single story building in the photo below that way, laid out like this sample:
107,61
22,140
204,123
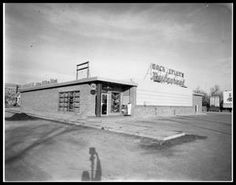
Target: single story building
85,97
94,96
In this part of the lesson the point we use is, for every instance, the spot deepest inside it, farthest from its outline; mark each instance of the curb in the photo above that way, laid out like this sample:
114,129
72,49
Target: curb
174,136
101,127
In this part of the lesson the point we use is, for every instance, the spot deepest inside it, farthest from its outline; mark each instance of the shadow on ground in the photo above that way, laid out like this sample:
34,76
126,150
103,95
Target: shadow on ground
42,139
20,116
96,173
158,145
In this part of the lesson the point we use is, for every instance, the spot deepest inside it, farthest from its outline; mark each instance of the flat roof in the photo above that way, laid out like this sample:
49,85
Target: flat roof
76,82
198,94
11,85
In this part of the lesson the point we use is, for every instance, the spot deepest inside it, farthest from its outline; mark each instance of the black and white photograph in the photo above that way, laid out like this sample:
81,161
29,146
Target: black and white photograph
117,92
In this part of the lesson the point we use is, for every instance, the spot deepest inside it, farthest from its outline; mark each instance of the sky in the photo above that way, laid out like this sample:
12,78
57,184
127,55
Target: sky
44,41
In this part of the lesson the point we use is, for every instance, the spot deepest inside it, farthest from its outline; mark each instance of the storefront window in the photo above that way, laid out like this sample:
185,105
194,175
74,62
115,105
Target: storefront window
69,101
115,102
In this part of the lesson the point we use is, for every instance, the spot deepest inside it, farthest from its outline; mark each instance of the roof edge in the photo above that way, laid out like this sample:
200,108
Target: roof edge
76,82
198,94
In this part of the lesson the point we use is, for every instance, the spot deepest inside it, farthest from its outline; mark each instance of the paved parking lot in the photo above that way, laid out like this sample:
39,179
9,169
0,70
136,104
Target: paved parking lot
40,150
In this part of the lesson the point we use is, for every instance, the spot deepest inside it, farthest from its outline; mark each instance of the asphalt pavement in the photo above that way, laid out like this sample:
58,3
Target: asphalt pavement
42,150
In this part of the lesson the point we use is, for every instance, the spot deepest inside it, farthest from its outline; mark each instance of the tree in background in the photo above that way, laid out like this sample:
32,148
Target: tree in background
12,96
215,91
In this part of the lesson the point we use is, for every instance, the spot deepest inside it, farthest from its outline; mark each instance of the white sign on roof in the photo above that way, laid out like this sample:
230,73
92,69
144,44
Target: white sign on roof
163,74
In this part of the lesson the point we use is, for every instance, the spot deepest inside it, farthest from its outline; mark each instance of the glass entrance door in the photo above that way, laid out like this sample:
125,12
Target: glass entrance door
104,103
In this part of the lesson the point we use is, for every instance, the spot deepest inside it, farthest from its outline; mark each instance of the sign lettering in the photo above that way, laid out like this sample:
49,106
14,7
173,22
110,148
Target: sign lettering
162,74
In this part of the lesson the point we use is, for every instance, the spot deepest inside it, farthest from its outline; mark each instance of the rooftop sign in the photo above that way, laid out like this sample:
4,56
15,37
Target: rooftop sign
165,75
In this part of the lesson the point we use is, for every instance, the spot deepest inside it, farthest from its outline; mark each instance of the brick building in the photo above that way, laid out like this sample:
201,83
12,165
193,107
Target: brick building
99,97
85,97
162,94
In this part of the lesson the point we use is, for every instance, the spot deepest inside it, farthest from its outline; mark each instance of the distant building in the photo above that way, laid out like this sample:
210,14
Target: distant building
215,101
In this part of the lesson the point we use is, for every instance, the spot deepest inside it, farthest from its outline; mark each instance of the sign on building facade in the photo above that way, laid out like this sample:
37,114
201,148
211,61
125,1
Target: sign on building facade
164,87
165,75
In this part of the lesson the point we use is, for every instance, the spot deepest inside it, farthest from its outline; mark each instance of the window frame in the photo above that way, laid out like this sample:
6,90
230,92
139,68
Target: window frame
69,101
117,92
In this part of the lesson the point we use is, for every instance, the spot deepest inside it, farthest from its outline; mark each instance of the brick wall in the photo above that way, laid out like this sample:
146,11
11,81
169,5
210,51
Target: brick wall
47,100
152,111
133,98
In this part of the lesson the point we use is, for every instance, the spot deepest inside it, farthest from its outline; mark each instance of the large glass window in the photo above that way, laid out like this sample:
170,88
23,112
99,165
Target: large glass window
115,102
69,101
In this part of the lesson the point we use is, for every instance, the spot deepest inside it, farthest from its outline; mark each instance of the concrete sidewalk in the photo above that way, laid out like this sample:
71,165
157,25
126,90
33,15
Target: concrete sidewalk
119,124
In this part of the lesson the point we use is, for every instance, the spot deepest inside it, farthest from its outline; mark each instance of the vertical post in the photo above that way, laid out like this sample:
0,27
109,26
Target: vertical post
88,70
76,73
133,98
98,101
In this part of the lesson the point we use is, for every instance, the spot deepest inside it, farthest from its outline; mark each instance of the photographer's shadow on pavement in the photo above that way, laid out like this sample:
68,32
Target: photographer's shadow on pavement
98,172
